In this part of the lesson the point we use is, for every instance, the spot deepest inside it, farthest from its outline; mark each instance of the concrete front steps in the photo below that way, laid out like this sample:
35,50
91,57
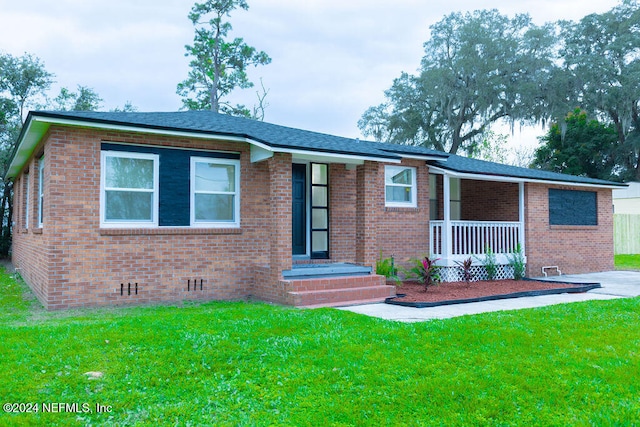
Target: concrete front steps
334,285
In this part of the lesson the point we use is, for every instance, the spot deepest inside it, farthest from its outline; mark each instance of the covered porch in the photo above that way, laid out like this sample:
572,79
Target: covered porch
470,214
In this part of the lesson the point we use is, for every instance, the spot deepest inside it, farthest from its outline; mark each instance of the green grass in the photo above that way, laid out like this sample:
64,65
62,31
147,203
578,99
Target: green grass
627,262
256,364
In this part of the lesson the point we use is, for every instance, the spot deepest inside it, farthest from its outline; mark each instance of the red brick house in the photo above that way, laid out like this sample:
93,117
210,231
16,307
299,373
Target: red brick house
121,208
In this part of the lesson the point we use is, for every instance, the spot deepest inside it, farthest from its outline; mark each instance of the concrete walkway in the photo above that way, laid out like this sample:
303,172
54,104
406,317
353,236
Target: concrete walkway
615,284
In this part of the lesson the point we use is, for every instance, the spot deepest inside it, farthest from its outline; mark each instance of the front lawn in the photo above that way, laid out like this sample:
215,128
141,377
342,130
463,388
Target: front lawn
627,262
256,364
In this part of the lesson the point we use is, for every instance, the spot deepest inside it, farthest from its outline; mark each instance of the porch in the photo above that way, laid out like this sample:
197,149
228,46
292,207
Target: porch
470,214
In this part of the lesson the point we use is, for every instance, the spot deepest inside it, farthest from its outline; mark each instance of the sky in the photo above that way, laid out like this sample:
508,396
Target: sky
331,59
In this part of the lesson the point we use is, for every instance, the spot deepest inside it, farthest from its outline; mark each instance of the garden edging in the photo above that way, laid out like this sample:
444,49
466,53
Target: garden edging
575,288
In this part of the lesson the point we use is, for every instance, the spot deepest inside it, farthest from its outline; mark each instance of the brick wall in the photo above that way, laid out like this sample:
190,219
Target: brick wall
404,232
30,244
71,262
575,249
268,279
342,213
489,201
369,184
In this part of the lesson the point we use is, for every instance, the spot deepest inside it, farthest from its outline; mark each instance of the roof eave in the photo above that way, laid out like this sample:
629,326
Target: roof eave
38,124
515,179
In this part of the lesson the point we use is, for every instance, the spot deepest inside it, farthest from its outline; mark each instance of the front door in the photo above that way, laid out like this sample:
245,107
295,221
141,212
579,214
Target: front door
299,209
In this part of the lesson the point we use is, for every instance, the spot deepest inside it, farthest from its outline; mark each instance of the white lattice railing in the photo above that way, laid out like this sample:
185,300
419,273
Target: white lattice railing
473,237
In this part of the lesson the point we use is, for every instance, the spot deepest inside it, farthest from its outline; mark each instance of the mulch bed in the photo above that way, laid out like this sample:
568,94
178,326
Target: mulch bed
413,294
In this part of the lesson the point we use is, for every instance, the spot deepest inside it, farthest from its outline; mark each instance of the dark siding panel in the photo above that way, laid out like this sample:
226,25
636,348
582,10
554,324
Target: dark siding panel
174,182
571,207
174,189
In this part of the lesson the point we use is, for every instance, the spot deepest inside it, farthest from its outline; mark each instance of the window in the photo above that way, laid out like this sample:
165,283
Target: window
40,192
572,207
433,197
454,195
26,203
129,189
319,211
215,192
400,186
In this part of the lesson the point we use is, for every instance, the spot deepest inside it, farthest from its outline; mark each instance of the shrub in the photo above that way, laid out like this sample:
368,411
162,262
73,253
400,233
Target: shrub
425,271
516,261
386,267
465,266
489,262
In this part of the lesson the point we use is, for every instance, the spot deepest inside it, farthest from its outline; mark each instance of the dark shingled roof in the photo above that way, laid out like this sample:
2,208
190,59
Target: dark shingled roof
208,122
287,138
461,164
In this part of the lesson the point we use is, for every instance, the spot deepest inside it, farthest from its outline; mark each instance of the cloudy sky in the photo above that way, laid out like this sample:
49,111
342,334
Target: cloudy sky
331,59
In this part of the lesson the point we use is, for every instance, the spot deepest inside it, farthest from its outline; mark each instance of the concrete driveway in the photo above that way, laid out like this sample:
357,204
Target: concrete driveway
615,284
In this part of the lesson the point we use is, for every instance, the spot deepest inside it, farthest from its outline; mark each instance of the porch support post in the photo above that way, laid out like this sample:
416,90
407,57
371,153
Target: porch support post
521,215
280,255
446,226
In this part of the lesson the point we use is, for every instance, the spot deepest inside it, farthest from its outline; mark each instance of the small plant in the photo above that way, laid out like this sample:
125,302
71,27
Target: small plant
490,263
386,267
465,266
425,271
516,261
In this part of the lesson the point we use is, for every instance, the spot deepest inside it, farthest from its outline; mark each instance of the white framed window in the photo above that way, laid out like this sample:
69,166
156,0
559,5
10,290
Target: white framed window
455,191
128,189
40,192
215,192
400,186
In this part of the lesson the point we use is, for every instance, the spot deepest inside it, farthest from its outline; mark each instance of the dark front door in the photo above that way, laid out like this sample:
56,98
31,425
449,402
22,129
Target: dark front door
299,209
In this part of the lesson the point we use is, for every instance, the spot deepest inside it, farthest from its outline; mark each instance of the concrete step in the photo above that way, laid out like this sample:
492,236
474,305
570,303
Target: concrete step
342,296
310,271
332,283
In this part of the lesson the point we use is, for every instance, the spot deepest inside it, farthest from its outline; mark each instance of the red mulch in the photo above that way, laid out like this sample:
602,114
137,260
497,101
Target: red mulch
460,290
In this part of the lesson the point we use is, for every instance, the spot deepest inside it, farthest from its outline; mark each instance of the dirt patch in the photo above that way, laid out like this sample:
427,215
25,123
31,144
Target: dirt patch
461,291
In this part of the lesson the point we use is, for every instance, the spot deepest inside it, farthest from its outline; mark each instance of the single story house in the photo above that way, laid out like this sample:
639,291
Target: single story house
122,208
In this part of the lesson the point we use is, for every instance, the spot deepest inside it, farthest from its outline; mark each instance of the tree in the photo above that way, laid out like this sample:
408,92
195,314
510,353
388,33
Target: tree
478,68
579,146
491,148
601,56
23,82
128,107
218,65
86,99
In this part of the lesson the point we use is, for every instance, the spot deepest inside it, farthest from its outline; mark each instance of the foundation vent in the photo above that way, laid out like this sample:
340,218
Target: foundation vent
129,289
195,285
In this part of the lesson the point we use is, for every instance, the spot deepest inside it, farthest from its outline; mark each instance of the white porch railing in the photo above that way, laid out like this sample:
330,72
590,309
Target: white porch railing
467,238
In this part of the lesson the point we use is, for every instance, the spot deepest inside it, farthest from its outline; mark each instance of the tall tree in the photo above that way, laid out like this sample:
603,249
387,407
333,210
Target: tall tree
579,146
23,82
601,56
218,64
478,68
85,99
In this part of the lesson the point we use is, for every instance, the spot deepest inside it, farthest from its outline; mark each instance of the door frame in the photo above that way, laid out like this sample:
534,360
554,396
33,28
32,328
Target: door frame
307,211
309,254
